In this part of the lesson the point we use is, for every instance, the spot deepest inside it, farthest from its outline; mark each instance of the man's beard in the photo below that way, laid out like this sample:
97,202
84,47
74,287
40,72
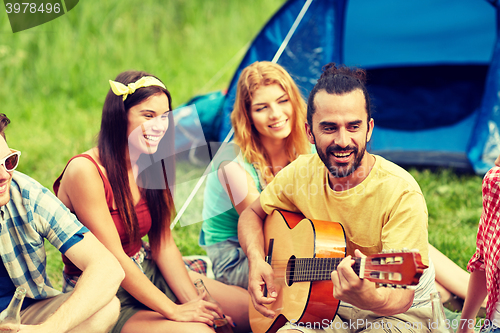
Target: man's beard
341,170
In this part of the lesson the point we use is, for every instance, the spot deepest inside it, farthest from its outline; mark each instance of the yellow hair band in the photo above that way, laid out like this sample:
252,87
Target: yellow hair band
120,89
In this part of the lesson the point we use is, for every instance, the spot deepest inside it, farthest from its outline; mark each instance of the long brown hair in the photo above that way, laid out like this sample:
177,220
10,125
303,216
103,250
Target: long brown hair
246,136
113,145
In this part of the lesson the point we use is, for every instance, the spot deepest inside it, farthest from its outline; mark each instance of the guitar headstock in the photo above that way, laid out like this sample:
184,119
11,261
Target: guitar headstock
397,269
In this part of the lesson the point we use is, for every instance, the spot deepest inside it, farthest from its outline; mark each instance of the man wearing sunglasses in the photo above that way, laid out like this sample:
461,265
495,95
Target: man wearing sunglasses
29,214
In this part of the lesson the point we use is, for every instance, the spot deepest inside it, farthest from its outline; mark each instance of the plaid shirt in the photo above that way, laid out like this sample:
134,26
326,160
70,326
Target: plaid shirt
487,253
33,214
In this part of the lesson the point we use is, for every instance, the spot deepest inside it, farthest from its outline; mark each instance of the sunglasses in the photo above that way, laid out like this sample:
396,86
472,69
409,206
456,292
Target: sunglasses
11,161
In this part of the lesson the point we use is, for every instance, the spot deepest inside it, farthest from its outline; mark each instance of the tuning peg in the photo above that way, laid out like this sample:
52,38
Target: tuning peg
404,249
384,251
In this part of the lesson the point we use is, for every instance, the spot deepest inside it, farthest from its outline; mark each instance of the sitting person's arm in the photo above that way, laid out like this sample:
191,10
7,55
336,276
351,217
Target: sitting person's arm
404,227
476,293
260,276
347,286
242,194
95,289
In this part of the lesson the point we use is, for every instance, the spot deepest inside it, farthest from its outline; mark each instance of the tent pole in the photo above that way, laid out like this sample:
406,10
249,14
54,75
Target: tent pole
291,31
199,183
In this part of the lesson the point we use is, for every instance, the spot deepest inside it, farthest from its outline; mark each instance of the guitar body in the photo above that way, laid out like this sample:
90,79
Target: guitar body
303,253
297,237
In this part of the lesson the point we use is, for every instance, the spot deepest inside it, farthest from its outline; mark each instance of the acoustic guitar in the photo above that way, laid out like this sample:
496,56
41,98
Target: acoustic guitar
303,253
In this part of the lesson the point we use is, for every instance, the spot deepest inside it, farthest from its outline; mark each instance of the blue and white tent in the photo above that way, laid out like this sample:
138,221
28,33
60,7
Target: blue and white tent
433,71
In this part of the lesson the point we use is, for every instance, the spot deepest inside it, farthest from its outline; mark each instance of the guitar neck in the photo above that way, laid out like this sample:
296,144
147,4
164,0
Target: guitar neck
318,269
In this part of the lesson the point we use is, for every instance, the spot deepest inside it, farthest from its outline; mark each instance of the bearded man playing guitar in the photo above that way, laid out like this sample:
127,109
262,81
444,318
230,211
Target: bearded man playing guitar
378,204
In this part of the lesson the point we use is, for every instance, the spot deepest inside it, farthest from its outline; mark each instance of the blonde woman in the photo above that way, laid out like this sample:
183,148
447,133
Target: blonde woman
268,120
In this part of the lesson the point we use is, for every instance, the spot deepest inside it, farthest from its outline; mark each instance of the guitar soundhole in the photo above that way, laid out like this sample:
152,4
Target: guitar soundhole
290,271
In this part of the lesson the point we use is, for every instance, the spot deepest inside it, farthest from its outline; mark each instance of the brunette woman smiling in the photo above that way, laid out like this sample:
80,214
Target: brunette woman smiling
113,191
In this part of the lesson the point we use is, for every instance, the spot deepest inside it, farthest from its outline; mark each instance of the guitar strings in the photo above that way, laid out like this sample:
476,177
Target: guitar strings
282,272
313,268
325,274
317,261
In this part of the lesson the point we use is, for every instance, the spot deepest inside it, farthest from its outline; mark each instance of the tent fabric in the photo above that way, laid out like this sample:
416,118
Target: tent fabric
485,146
395,33
432,66
197,123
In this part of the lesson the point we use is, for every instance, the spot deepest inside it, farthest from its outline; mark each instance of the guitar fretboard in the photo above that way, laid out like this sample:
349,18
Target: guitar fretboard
315,269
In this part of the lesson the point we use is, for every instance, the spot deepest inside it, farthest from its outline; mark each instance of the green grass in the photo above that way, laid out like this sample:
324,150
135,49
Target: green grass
54,77
54,80
454,205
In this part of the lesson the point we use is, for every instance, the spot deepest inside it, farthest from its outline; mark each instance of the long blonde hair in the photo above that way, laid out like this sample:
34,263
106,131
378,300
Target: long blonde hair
246,136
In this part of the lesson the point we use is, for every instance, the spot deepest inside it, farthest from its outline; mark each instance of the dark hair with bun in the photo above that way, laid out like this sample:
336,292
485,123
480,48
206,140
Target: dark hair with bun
338,81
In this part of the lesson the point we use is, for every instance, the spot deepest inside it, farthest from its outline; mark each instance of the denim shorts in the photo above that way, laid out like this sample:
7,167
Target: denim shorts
229,262
490,329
